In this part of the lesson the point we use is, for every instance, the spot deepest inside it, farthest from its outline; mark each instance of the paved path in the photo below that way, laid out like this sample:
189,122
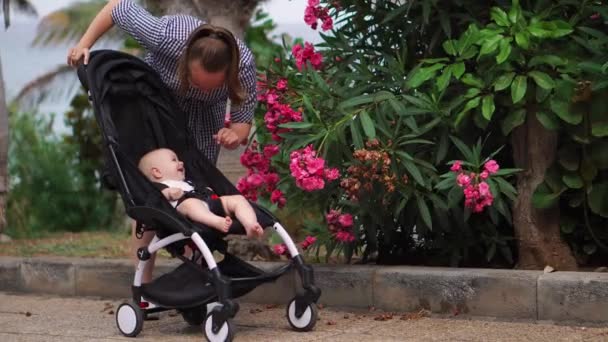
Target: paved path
52,319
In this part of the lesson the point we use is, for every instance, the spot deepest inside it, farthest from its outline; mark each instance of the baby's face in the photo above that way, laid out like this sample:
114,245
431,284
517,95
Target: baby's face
169,165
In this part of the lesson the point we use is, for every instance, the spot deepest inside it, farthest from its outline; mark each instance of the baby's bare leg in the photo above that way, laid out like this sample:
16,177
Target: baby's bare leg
240,207
198,211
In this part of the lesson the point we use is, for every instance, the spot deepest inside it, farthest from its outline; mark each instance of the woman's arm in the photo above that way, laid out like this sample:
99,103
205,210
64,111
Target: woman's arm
100,25
147,29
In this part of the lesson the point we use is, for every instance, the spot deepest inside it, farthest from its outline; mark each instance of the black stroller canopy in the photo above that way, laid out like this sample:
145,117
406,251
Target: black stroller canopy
138,113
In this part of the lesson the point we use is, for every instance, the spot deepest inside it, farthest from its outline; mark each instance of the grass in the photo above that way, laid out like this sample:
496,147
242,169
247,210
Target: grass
86,244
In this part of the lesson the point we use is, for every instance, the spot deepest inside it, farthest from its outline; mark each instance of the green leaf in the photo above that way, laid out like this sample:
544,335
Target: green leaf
543,198
550,29
568,157
354,131
573,180
490,44
458,69
551,60
514,12
523,40
411,167
424,212
366,98
467,39
599,155
449,46
467,153
542,80
562,109
471,93
588,170
444,79
542,94
518,88
400,11
547,120
598,199
368,125
297,125
499,16
506,188
504,81
599,129
455,195
590,248
421,75
487,107
505,51
514,119
473,103
442,149
472,81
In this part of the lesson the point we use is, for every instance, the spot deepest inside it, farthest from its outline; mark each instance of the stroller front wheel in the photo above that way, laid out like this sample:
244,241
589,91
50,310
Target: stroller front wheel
129,319
223,332
306,321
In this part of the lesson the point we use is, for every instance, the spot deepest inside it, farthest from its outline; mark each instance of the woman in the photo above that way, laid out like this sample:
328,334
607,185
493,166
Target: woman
204,65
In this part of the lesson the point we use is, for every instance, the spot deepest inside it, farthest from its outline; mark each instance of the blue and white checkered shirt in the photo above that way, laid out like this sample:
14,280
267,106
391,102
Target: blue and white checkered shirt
165,39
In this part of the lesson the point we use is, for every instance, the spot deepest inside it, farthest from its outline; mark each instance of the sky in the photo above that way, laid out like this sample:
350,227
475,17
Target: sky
22,63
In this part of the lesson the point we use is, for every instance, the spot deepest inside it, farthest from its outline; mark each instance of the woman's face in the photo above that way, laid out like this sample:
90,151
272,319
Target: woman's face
205,80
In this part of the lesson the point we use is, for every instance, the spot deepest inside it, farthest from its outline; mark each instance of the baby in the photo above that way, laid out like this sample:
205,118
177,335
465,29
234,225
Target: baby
162,167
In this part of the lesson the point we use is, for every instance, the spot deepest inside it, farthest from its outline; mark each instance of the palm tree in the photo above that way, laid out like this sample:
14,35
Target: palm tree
24,7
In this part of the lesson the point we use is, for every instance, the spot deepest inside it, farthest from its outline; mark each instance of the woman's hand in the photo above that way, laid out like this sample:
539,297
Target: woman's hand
76,54
227,138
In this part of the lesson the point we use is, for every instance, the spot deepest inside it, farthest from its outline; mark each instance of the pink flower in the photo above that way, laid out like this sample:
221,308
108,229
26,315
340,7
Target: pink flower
271,98
282,84
332,174
328,24
491,166
457,166
278,198
311,184
463,180
313,3
346,220
484,189
595,16
332,216
255,180
344,236
306,53
315,166
484,175
308,241
270,150
280,249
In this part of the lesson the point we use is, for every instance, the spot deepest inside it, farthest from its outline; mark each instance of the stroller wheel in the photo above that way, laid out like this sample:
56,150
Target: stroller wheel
225,332
308,319
195,316
129,319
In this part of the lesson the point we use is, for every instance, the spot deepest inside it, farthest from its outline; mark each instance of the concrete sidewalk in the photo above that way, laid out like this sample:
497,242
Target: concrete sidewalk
52,319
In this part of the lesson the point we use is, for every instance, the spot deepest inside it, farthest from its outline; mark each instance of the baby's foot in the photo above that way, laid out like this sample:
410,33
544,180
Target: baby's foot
254,230
223,224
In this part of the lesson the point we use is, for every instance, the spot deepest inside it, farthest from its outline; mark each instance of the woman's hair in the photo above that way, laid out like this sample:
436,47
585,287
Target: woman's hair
215,48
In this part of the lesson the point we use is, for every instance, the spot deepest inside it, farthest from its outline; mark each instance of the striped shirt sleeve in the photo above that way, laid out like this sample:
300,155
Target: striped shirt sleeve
147,29
248,77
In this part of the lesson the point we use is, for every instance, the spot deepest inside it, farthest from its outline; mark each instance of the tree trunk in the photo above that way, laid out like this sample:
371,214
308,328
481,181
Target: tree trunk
3,153
537,231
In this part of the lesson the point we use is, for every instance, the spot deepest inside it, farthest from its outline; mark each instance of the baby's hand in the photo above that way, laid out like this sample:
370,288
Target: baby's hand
175,193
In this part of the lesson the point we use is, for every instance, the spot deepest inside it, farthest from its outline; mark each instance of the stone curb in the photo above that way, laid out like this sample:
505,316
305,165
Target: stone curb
505,294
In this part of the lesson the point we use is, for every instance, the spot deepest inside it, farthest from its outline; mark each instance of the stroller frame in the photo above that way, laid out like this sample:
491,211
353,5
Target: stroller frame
205,281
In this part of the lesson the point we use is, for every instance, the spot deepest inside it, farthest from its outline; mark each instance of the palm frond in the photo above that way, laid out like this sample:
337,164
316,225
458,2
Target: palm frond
69,24
22,6
59,83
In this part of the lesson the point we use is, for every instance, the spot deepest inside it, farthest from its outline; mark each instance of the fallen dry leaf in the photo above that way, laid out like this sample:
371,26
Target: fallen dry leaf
256,310
272,306
384,317
346,317
331,323
111,312
28,314
415,315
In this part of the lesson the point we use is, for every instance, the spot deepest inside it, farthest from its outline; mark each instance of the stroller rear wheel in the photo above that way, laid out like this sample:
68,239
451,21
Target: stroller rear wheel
306,321
129,319
223,331
195,316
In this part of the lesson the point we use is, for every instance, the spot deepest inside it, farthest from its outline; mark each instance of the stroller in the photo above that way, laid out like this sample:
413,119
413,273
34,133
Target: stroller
137,113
